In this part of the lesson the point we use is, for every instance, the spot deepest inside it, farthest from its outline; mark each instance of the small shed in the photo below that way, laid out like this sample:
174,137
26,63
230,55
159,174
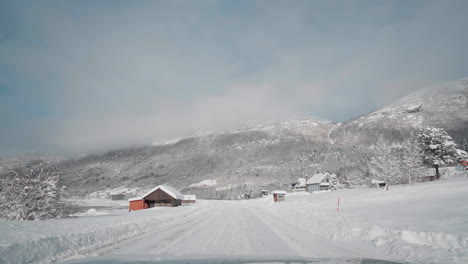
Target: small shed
425,178
189,198
161,195
428,174
378,183
318,182
279,196
117,196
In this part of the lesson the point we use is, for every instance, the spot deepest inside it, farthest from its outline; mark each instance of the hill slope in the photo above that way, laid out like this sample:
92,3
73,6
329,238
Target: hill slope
268,154
271,155
443,106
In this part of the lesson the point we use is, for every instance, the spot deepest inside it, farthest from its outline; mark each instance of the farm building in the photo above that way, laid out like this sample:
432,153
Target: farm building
318,182
278,196
117,196
161,195
189,198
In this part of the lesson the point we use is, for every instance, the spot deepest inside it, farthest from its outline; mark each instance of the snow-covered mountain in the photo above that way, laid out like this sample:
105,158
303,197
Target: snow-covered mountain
443,106
258,155
272,154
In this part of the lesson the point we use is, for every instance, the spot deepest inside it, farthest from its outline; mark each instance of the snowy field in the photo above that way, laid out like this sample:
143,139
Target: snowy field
425,223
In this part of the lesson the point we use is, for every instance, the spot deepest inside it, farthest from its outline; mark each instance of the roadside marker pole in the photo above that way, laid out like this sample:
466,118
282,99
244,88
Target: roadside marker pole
338,208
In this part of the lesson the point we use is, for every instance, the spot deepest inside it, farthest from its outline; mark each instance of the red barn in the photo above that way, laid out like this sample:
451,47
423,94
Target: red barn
161,195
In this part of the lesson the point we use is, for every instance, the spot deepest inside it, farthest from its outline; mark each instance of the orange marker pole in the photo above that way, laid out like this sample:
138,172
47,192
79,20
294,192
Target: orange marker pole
338,208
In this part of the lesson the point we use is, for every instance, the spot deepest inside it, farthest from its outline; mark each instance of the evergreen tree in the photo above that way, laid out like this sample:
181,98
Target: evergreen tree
438,148
334,182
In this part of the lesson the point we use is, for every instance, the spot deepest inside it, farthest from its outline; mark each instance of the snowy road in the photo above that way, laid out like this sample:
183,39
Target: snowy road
235,228
304,226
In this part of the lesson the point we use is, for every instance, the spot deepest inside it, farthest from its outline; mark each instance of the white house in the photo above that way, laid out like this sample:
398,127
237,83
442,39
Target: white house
318,182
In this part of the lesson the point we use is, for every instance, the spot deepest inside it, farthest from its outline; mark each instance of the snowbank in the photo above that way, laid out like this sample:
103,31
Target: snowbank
423,223
53,240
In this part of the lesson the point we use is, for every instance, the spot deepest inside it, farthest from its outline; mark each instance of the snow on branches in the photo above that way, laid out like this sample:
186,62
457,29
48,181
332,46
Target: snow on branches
385,164
395,163
438,148
334,182
31,192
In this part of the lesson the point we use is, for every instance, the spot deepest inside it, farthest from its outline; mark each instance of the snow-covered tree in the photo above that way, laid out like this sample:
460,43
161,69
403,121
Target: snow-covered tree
334,182
438,148
412,164
31,191
385,164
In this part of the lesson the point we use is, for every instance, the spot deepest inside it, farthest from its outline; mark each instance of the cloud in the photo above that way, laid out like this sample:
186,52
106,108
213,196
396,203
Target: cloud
82,76
237,106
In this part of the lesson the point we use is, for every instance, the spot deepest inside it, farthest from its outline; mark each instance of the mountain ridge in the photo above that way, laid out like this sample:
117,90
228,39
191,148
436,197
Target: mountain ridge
271,154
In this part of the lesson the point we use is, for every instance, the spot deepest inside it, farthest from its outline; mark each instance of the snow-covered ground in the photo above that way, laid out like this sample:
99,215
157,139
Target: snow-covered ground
97,228
425,223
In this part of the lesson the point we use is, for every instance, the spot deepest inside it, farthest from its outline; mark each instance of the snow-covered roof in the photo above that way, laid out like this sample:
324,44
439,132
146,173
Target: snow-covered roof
318,178
377,181
166,188
462,153
278,192
302,184
190,197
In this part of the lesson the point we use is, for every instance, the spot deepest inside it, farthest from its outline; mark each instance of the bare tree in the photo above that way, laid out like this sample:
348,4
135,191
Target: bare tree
385,163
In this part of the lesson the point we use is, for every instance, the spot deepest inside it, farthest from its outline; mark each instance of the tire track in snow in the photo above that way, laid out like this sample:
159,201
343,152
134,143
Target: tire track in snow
110,248
225,229
234,228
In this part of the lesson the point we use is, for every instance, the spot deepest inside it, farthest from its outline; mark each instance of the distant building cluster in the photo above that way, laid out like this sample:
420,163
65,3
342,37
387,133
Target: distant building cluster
318,182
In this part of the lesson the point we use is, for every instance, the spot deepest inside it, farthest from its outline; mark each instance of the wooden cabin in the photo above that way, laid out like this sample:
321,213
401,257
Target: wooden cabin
161,195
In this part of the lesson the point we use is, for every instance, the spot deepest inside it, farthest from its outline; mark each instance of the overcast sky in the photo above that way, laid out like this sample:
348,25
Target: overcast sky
84,76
